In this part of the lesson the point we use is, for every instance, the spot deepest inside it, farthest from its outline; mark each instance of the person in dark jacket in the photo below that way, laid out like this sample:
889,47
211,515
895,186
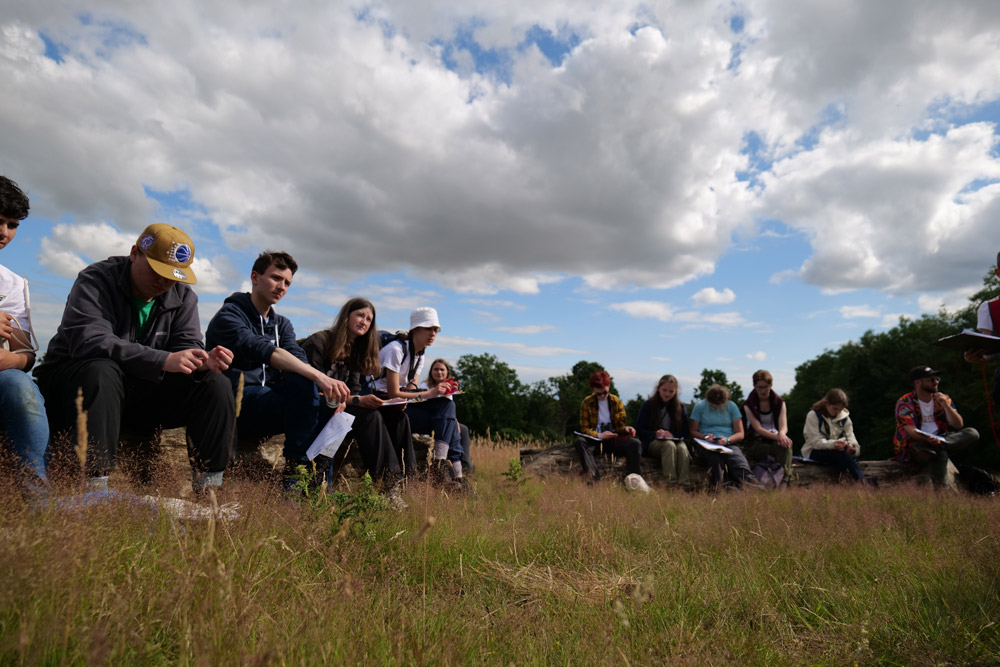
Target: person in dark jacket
130,338
661,427
347,351
280,387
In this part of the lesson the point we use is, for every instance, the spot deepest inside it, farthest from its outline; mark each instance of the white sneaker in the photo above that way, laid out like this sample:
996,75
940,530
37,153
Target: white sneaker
635,482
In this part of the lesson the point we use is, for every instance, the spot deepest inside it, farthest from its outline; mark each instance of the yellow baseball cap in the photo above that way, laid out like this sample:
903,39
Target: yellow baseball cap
169,251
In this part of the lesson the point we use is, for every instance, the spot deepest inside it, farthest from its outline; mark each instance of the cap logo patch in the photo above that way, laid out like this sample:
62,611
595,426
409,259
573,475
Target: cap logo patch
180,275
180,253
146,241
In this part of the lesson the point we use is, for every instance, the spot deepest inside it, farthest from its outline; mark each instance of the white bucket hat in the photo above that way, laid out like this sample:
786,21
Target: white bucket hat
424,317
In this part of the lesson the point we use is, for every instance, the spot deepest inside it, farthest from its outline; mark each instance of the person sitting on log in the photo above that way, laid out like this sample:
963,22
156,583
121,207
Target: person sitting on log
829,435
661,426
923,419
441,372
604,423
130,341
716,419
767,423
281,392
401,362
348,351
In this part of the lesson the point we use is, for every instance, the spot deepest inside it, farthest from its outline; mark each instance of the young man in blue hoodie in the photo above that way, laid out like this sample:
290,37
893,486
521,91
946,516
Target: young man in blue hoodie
280,387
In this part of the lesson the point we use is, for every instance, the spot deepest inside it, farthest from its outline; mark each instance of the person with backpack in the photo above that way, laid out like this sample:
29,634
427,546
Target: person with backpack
402,359
765,419
829,435
349,351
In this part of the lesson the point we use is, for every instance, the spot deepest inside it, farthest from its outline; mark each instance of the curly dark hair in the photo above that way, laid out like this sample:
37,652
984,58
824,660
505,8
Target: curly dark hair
13,201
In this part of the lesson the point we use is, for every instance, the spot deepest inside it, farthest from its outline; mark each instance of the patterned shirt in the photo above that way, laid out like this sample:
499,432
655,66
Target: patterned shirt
908,414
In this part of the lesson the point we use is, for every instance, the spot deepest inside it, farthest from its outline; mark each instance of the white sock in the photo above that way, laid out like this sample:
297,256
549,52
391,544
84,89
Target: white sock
440,449
457,467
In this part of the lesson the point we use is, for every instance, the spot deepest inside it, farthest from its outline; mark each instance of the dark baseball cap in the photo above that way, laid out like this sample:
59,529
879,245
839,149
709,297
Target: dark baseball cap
921,372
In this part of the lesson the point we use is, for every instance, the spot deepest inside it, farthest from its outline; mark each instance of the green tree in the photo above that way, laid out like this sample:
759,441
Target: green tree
874,372
716,376
571,390
492,395
541,411
632,408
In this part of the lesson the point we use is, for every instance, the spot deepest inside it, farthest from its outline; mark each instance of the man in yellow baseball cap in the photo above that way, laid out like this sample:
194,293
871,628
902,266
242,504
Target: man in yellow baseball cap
131,338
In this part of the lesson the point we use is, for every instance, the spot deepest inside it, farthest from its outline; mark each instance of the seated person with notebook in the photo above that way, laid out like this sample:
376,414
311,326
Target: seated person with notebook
923,420
604,428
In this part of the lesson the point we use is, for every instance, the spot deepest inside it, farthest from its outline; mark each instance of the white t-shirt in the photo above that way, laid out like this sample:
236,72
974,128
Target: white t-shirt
984,319
14,297
391,358
927,423
603,415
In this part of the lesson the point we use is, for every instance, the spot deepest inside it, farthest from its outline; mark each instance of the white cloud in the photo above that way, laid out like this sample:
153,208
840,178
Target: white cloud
527,329
478,345
851,312
710,295
664,312
951,300
646,310
485,183
757,356
70,248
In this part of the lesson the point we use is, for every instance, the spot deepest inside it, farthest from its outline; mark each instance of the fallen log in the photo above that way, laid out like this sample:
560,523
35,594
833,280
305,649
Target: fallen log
562,460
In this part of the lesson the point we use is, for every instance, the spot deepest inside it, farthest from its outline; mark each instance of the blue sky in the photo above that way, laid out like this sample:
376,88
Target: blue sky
658,187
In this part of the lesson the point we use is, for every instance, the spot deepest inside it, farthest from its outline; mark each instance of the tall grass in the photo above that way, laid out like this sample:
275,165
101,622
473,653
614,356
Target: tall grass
549,571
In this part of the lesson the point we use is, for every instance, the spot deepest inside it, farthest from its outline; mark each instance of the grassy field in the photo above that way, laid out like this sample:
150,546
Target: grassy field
545,571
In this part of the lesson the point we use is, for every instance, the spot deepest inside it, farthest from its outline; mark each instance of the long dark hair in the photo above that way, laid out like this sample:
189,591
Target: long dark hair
656,404
362,355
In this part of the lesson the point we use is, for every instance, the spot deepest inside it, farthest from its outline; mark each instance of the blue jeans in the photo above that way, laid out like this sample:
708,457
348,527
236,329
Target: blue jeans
22,414
843,461
437,415
291,407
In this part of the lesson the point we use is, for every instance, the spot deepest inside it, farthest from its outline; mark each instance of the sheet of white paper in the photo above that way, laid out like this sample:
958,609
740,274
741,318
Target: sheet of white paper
927,433
332,436
712,447
588,437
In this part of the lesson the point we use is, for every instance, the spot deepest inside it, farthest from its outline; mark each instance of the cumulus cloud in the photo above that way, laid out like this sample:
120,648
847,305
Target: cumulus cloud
664,312
379,144
710,295
757,356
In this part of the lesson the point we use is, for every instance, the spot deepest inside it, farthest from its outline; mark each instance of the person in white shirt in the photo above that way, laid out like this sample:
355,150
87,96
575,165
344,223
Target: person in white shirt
402,361
22,409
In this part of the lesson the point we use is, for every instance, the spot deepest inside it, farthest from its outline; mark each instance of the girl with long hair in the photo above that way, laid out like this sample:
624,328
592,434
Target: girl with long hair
661,427
349,351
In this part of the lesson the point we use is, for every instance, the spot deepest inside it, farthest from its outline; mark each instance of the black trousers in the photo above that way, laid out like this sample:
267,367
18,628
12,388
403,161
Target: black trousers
383,443
201,402
631,448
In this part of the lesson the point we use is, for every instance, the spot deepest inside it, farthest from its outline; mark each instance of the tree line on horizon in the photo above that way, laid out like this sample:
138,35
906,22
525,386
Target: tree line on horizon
873,370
